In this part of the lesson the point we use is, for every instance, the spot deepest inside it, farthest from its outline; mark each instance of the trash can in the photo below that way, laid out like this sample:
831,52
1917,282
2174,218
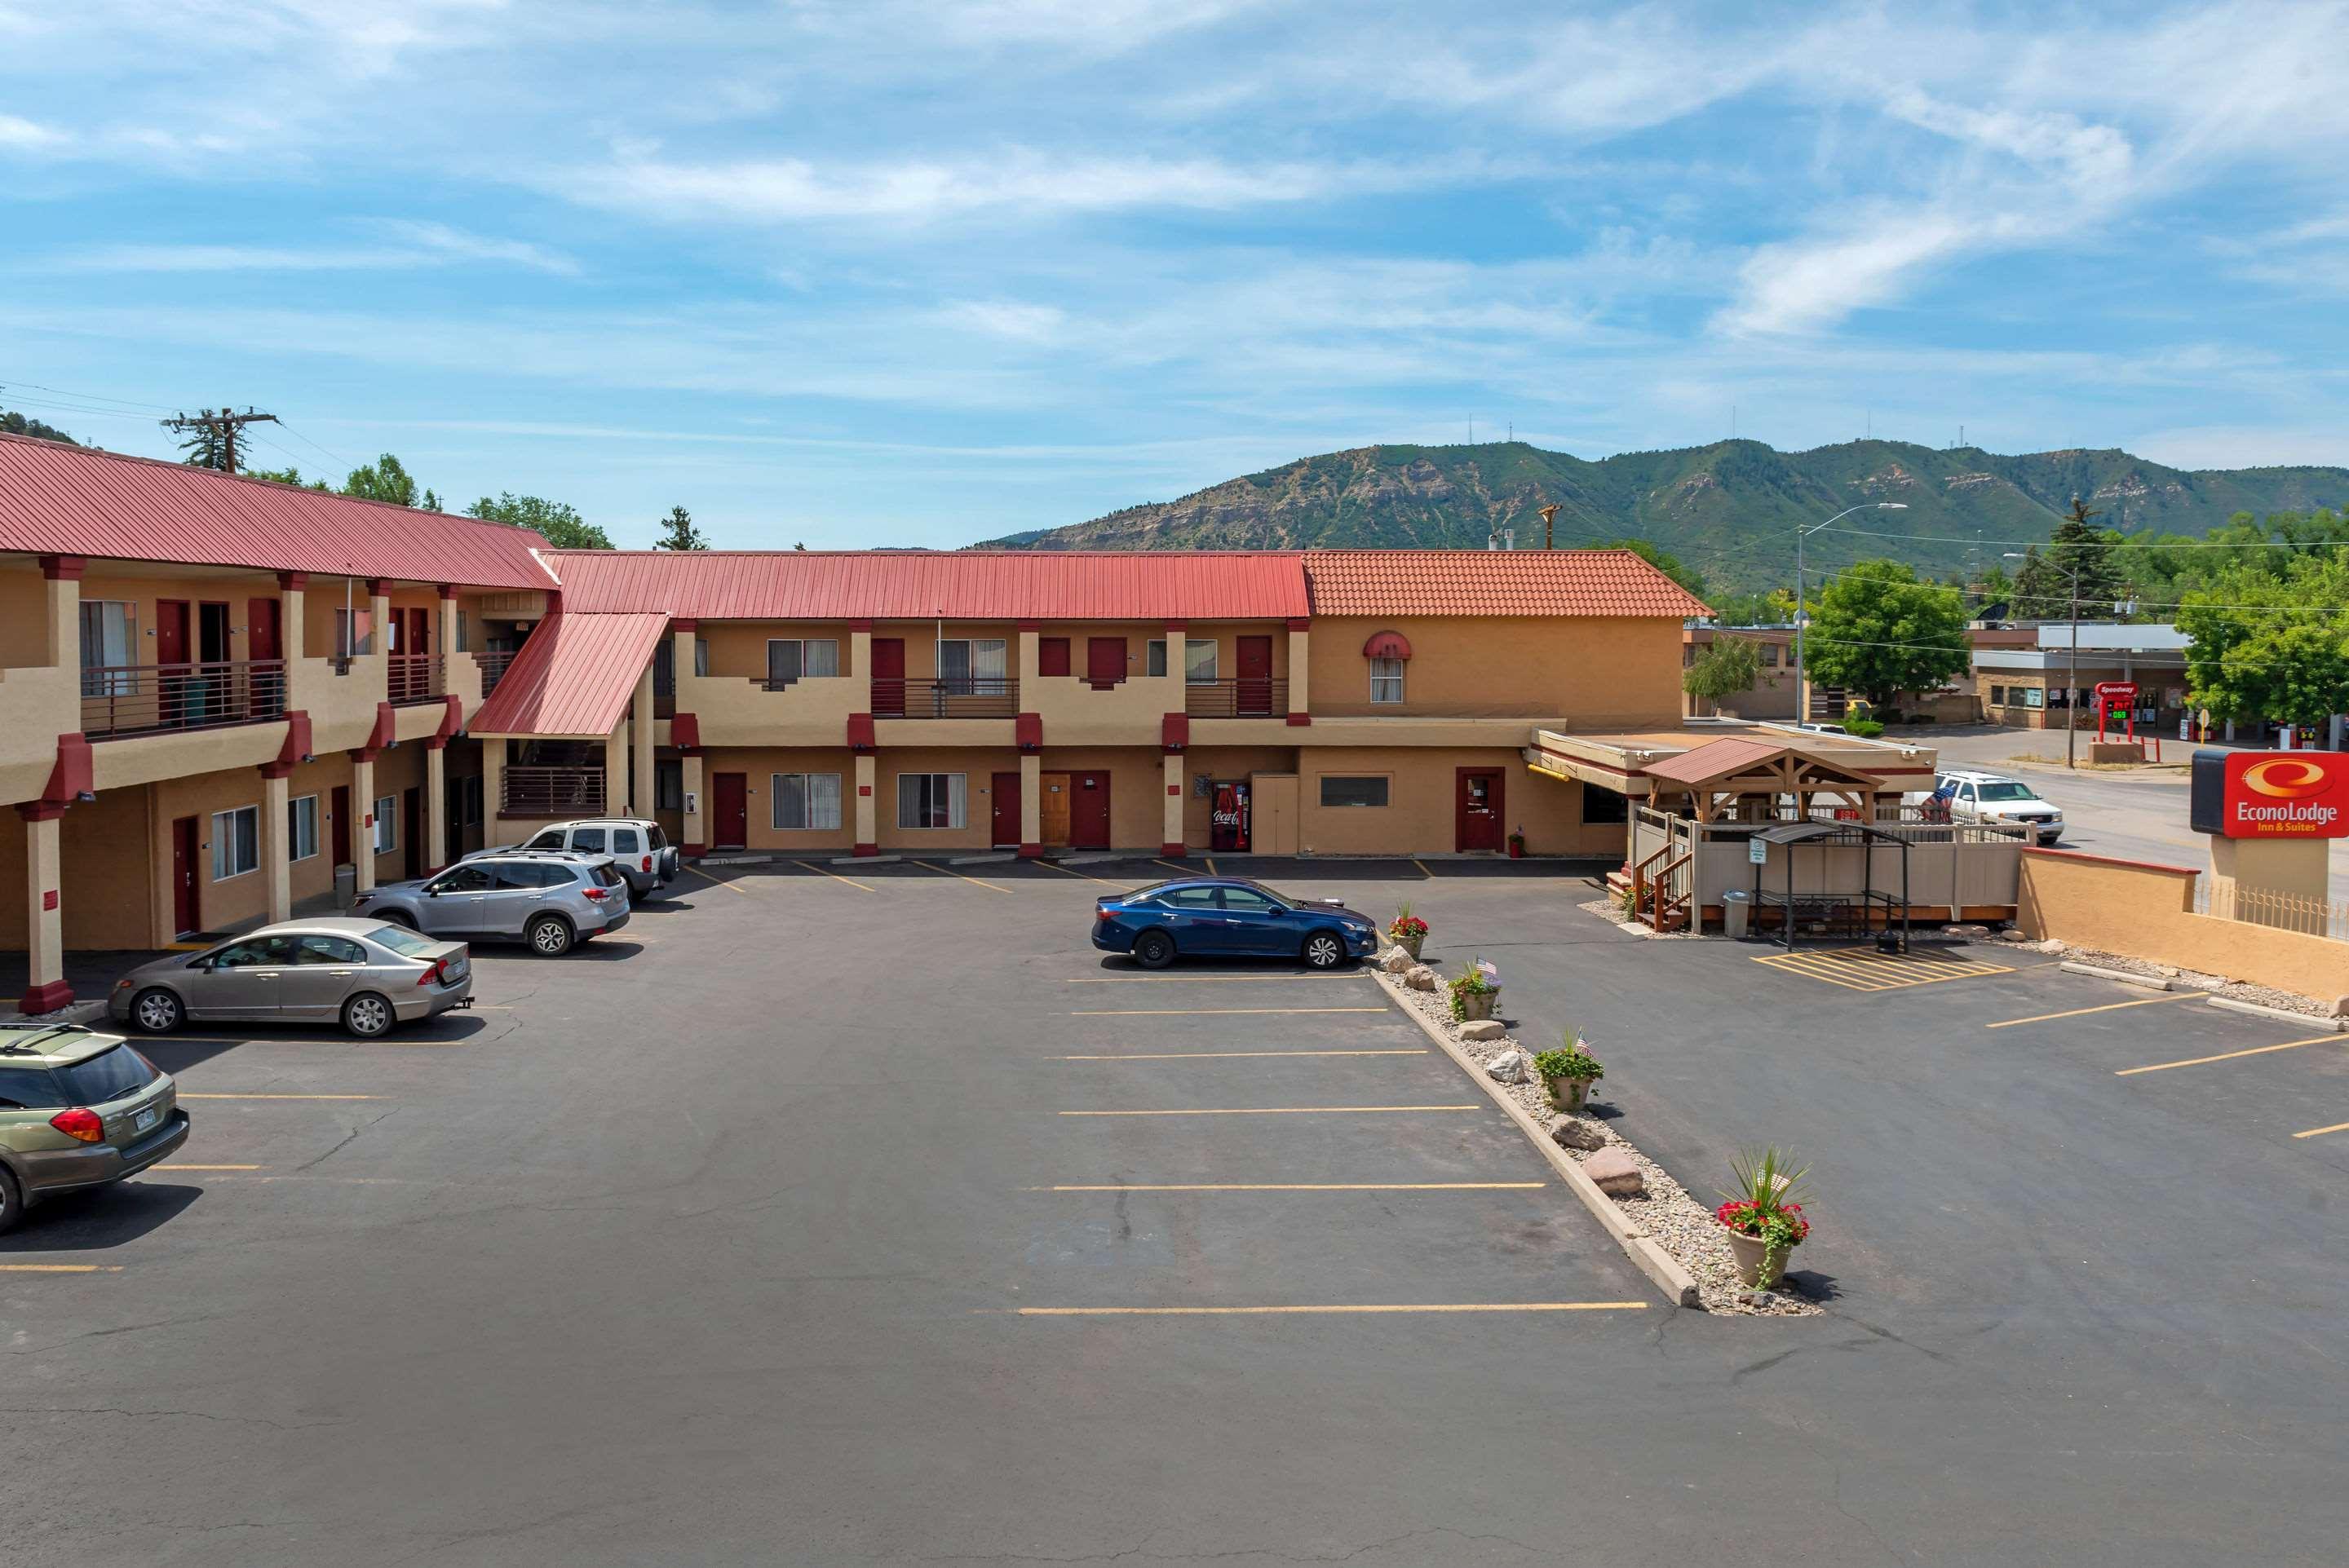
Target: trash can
1736,905
347,883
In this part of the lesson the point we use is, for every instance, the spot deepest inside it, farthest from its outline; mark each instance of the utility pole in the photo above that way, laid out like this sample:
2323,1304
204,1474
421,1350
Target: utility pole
217,434
1549,526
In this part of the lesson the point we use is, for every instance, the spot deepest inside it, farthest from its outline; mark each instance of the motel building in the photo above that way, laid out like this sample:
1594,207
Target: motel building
223,701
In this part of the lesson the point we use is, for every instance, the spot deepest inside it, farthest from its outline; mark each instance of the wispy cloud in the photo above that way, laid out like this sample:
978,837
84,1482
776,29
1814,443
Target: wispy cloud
422,245
23,133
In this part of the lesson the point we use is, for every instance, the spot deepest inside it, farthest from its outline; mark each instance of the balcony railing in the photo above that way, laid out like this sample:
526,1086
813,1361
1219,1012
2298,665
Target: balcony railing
949,697
416,677
552,792
1239,696
143,700
493,667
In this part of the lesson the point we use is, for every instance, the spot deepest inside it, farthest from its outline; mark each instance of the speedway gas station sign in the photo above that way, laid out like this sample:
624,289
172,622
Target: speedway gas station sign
2272,794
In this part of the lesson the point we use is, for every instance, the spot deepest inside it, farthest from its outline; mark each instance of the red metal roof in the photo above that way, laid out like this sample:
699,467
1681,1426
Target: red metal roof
916,585
574,675
1493,582
57,500
1714,760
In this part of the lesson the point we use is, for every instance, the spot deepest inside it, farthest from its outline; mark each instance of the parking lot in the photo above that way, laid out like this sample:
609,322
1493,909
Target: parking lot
865,1213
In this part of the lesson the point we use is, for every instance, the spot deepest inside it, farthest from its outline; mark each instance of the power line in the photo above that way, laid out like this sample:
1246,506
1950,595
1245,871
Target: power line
217,433
2124,542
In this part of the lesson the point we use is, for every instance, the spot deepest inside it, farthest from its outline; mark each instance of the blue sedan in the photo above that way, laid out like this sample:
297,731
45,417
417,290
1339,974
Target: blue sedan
1224,917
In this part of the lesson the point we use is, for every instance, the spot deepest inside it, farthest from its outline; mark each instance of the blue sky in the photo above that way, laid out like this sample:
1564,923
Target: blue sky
909,274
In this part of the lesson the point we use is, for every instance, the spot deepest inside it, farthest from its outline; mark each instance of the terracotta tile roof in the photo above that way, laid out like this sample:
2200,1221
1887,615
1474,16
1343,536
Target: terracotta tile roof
917,585
574,675
1493,582
57,500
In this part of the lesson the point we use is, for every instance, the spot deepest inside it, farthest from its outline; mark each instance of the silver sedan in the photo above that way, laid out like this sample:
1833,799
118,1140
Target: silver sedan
365,974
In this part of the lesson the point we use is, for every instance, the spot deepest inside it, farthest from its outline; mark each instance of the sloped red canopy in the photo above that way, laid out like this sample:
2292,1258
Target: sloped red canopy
1387,646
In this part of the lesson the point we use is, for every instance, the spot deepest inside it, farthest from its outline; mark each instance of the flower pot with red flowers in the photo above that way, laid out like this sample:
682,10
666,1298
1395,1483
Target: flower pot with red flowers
1407,930
1518,845
1568,1073
1476,991
1763,1216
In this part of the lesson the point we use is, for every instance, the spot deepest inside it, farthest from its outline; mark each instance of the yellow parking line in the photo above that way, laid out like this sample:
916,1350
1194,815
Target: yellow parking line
1087,875
185,1096
1276,1110
2082,1012
1260,1311
1211,867
1208,1012
289,1040
1424,872
991,887
1178,979
1172,865
61,1268
809,865
2320,1131
2230,1056
175,1165
717,882
1306,1187
1186,1056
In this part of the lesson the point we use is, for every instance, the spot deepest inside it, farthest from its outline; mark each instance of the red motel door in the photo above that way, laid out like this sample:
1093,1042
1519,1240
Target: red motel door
1052,656
187,913
889,676
1004,811
729,810
1479,810
1089,811
1104,660
1255,677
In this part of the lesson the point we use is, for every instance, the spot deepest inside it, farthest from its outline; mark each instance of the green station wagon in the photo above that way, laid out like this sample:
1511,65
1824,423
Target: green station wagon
78,1109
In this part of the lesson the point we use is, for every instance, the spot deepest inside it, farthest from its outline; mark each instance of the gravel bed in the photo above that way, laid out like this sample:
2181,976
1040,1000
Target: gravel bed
1608,910
2189,979
1679,1223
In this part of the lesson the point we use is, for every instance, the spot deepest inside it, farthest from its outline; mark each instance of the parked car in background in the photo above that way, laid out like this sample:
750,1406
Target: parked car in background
1816,726
638,847
365,974
1973,796
552,900
1229,917
78,1109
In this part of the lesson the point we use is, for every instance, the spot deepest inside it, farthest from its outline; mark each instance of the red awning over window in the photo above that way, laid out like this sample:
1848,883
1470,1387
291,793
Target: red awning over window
1387,646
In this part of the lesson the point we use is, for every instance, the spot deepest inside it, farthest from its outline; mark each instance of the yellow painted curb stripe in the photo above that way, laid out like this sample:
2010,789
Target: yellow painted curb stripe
2320,1131
175,1165
948,871
61,1268
277,1097
1188,1056
1308,1187
2230,1056
1261,1310
1276,1110
811,866
716,882
1209,979
1209,1012
2084,1012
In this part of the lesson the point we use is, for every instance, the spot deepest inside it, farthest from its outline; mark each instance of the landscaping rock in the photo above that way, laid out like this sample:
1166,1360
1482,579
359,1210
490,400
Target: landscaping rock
1419,977
1568,1133
1397,960
2341,1006
1757,1298
1509,1066
1483,1030
1616,1173
2052,945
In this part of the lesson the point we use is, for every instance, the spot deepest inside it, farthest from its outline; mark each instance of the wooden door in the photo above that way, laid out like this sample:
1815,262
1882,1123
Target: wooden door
1255,687
1089,811
1003,811
889,676
1052,656
1104,660
729,810
339,822
1478,809
186,906
411,828
1054,808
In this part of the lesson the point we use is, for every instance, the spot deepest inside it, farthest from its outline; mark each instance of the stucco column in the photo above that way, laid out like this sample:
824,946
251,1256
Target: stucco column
1031,643
615,770
681,638
276,846
860,651
1031,804
45,945
640,738
61,639
436,803
867,838
494,785
697,830
1172,839
445,634
363,808
1298,652
379,615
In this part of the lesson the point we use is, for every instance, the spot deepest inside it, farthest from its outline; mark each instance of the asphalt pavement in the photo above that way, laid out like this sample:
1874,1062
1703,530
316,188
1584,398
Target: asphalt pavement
711,1244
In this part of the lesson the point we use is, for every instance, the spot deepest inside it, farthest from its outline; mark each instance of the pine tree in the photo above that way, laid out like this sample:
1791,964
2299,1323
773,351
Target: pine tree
2044,588
678,532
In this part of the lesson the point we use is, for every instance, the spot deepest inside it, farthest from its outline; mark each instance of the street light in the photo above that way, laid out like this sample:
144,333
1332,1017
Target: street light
2071,695
1802,690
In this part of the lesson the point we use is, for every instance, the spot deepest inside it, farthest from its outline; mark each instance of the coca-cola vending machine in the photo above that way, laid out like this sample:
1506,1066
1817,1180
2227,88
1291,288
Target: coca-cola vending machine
1228,824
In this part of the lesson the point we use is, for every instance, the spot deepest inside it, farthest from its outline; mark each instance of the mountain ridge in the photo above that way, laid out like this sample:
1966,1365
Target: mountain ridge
1729,508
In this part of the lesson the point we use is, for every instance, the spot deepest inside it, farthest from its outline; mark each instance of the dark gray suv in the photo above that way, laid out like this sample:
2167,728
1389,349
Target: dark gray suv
638,847
550,900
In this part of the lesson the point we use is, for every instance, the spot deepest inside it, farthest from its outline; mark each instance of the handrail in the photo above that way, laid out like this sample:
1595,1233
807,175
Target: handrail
945,697
540,790
493,667
413,678
139,699
1237,697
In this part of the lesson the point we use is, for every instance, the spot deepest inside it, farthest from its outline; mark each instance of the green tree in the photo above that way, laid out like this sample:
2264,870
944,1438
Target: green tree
214,446
554,520
2270,640
17,424
2044,589
1727,667
1878,631
288,475
678,532
387,480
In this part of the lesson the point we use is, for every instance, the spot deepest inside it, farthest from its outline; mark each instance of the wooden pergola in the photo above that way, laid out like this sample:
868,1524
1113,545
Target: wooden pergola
1721,776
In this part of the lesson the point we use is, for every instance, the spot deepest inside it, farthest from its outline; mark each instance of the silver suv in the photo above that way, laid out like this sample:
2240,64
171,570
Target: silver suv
638,847
550,900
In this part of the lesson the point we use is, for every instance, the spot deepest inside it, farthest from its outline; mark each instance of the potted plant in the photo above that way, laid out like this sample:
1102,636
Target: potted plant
1568,1073
1473,992
1517,844
1406,929
1763,1216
